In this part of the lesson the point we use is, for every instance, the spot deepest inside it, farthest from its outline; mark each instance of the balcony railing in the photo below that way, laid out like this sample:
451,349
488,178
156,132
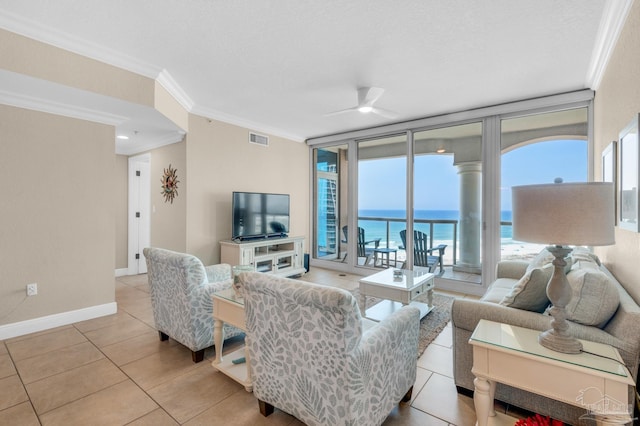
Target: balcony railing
430,222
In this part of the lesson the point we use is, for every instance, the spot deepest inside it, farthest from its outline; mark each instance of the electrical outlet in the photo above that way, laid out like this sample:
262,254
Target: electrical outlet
32,289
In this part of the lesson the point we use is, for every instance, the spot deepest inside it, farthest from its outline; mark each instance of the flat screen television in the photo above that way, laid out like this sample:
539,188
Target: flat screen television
259,215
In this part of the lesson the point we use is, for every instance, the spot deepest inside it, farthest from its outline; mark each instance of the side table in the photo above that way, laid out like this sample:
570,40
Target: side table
385,253
512,355
230,309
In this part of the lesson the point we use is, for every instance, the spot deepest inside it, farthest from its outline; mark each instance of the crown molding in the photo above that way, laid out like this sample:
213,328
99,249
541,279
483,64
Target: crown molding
45,105
57,38
31,29
237,121
614,16
166,80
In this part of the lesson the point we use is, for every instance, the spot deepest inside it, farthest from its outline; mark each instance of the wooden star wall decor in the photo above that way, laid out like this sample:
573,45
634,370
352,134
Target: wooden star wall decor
169,184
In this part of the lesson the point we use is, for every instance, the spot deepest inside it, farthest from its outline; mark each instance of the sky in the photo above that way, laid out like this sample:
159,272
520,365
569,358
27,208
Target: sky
382,183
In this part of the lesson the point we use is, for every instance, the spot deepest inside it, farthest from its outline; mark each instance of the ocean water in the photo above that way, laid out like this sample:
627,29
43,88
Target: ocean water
442,233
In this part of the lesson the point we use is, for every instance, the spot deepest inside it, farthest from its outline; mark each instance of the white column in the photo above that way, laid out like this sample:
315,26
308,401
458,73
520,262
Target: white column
470,217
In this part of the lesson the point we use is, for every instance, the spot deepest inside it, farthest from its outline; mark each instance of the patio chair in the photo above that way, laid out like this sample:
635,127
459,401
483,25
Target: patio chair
423,255
363,249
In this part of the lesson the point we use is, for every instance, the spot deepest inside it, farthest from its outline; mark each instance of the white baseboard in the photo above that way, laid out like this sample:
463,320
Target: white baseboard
122,272
51,321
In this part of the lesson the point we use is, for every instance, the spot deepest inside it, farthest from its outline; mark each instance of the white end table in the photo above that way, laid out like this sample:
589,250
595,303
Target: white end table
512,355
230,309
396,292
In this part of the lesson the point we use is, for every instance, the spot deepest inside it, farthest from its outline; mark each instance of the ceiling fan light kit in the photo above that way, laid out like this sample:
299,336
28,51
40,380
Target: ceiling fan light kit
367,96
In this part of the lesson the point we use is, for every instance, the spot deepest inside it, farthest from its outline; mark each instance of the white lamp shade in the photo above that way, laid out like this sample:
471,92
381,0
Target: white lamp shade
564,213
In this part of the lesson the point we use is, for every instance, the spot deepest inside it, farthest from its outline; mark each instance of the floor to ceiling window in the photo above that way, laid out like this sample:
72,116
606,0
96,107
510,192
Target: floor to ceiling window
382,200
448,177
447,200
329,184
539,149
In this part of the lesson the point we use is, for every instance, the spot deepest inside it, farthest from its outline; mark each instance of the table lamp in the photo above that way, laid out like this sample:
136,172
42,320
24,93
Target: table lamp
562,214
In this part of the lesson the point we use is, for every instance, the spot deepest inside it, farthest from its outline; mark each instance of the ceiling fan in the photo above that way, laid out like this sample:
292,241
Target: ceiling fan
367,96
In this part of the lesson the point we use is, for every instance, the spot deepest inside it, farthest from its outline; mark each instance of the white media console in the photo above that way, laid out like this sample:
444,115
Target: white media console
278,256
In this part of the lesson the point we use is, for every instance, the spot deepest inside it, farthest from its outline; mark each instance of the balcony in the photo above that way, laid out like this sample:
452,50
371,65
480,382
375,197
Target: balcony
440,231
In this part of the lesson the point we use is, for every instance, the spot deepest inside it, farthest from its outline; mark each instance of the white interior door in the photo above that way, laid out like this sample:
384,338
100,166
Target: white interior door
139,212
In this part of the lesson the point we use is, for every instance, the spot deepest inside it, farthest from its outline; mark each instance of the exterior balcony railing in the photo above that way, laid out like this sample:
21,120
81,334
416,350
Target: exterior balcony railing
393,226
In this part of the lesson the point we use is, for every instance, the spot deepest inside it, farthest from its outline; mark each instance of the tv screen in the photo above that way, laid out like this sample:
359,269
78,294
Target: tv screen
259,215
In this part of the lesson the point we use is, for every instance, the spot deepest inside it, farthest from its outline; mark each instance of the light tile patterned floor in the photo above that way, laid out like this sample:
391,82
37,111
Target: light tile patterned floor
114,370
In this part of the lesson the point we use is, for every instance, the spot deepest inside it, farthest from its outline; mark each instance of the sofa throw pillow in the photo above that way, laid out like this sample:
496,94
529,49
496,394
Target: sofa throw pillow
580,253
595,298
530,292
542,259
545,258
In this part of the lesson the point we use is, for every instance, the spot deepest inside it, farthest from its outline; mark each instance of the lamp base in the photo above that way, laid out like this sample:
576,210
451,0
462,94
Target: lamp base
565,344
559,293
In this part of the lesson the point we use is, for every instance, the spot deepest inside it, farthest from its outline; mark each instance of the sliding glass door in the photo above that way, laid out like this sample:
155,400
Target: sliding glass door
382,200
447,200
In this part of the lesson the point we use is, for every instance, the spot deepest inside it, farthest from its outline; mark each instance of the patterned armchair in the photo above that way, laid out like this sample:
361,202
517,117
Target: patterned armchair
181,289
310,357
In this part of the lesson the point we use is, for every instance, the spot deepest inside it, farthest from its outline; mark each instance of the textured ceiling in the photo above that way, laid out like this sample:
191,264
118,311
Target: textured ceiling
280,66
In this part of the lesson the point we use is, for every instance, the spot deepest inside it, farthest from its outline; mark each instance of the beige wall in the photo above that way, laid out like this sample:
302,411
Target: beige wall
214,160
617,101
26,56
65,210
57,214
121,186
221,160
170,108
168,220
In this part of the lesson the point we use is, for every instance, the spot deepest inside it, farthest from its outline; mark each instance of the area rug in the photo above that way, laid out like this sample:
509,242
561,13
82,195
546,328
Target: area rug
432,324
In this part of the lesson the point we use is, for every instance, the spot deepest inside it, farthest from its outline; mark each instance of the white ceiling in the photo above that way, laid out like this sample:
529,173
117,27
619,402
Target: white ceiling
280,66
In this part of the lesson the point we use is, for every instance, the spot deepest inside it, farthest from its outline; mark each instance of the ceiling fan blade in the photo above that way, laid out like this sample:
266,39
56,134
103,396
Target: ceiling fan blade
342,111
368,95
384,113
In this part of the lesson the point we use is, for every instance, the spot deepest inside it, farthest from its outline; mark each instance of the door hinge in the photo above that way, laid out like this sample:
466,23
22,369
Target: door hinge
137,256
137,172
137,214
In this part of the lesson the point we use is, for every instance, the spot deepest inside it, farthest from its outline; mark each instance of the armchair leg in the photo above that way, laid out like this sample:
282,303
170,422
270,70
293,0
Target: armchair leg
163,336
265,408
197,356
407,396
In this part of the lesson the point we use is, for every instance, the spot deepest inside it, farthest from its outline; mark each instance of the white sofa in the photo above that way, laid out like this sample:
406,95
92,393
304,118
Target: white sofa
601,311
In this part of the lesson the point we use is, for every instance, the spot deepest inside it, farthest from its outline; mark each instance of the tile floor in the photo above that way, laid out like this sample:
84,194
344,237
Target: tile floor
115,371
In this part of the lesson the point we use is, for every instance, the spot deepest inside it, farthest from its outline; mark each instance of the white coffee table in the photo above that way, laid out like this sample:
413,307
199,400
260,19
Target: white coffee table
396,291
